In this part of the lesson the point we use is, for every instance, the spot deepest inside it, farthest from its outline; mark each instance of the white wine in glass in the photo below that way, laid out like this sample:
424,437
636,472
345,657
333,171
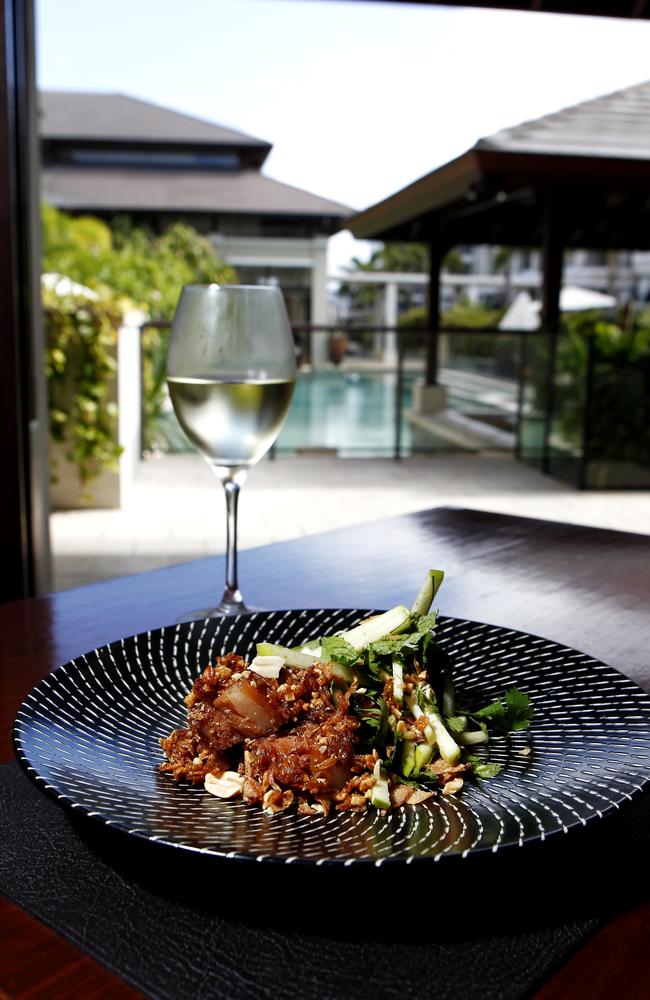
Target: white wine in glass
231,370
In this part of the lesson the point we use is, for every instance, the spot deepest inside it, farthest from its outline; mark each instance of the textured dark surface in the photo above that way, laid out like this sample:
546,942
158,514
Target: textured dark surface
191,927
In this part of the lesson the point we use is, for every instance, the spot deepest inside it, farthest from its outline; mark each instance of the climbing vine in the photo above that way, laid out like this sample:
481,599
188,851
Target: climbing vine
81,368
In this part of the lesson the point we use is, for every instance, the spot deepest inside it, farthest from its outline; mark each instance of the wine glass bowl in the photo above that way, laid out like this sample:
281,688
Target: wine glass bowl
231,371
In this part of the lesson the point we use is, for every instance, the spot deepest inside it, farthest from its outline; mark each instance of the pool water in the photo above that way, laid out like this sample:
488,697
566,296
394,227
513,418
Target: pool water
349,413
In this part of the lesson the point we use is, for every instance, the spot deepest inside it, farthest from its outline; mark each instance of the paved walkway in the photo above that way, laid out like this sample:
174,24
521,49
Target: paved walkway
176,511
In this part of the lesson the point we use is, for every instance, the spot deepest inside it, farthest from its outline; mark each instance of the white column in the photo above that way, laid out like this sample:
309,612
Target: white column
319,341
129,399
482,264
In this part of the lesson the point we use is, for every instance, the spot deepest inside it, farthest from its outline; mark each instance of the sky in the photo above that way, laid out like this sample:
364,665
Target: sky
358,99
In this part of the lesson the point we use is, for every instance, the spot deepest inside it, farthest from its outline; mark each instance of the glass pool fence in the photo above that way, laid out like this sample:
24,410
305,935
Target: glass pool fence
358,393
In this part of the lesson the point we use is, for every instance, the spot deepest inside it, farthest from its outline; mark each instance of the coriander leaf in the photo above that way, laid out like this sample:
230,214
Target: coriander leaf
337,649
511,713
482,768
494,711
426,622
404,644
422,779
386,647
376,670
371,716
519,710
457,723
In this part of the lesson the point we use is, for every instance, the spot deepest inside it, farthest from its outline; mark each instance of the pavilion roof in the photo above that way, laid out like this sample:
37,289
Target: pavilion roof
616,125
592,160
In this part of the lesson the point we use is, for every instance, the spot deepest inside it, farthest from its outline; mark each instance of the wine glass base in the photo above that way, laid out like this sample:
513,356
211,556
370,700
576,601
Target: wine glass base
221,611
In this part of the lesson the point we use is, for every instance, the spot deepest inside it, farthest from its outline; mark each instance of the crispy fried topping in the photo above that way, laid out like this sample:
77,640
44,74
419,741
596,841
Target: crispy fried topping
292,740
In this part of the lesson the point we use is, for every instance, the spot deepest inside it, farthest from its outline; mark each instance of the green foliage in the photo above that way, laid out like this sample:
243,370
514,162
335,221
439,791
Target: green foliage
390,257
482,350
508,714
416,318
482,769
156,429
454,262
80,366
396,257
132,262
130,266
462,314
501,259
408,258
619,418
474,315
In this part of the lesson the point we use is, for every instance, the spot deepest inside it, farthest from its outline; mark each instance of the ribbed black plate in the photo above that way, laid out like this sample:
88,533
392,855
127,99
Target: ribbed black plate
89,732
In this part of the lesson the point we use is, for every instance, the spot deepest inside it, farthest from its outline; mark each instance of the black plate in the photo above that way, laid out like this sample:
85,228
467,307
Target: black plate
89,732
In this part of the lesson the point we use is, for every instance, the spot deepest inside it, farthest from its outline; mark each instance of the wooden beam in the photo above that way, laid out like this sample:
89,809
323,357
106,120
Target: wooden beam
552,260
436,254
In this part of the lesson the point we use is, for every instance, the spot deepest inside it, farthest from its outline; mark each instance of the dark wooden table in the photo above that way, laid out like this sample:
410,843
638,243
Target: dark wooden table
584,587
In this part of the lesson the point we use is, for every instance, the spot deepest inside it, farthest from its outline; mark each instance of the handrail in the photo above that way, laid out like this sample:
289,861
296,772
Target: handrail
346,327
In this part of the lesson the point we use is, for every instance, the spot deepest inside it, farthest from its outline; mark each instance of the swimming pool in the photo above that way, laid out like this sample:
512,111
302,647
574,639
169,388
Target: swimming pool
349,413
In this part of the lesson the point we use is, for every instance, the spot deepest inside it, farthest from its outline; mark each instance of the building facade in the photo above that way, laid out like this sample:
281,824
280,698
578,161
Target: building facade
110,155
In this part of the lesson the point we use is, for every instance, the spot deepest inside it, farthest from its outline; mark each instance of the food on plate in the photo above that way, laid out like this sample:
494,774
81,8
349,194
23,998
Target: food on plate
368,717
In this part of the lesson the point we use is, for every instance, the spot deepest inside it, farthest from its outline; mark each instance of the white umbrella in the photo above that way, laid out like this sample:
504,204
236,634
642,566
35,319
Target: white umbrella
523,312
576,299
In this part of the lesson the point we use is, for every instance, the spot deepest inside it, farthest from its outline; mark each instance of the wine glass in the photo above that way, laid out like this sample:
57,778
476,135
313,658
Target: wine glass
231,370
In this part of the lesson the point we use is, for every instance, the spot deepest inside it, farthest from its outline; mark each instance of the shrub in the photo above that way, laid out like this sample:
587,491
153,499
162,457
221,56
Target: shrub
80,367
126,266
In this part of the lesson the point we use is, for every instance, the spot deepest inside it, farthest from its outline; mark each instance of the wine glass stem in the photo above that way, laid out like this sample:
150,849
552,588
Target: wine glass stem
232,481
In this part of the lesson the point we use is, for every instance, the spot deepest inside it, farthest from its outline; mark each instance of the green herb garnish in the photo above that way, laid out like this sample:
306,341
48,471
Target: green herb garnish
509,714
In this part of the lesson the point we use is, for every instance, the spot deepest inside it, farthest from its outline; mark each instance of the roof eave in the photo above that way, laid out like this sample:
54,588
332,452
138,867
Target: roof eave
483,170
146,140
448,183
116,207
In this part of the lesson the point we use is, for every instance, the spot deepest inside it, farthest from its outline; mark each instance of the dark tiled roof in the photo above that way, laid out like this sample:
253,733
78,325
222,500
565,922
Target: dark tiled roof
114,117
245,192
616,125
